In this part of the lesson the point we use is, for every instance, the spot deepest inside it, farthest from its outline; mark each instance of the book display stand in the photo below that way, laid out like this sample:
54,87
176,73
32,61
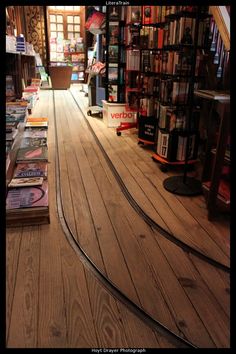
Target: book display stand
172,69
115,55
132,70
27,186
184,185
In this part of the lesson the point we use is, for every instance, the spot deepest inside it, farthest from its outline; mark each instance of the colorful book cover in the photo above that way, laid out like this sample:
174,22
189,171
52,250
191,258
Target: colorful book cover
148,14
35,133
75,67
33,89
114,12
33,142
75,57
135,14
31,154
113,92
74,76
113,73
26,182
114,32
35,119
27,197
113,53
33,169
35,82
60,56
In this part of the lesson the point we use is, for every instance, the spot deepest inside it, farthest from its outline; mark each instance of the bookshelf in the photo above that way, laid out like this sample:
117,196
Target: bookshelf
171,42
115,55
166,60
20,66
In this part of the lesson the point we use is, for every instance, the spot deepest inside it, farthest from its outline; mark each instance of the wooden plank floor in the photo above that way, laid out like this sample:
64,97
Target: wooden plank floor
59,303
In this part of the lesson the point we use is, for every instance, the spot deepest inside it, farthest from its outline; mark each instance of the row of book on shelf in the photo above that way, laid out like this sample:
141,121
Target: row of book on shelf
153,14
178,31
168,62
166,91
27,190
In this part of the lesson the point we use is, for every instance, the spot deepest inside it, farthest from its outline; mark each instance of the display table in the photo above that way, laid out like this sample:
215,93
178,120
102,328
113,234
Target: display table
60,77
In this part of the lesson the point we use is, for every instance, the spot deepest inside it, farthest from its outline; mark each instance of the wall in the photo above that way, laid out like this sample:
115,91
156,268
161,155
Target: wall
35,29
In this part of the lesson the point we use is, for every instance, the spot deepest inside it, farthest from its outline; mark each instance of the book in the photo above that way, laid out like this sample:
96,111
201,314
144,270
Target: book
36,125
181,149
186,30
25,182
162,123
32,169
113,53
35,82
114,33
132,59
132,35
133,14
113,72
113,92
74,76
213,95
15,117
37,119
149,14
162,144
182,63
32,154
36,142
180,92
75,67
32,89
27,197
35,133
114,12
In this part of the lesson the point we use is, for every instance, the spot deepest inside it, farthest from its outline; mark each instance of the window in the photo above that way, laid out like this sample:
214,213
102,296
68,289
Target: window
64,22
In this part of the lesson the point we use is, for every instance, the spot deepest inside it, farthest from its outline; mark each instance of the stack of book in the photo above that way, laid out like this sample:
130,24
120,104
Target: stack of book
31,95
15,115
27,197
20,43
36,122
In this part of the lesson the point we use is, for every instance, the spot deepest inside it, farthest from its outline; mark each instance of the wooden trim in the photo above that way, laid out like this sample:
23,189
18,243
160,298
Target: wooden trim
222,20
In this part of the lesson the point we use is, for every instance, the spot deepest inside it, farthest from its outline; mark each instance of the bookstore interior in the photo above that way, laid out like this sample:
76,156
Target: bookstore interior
118,123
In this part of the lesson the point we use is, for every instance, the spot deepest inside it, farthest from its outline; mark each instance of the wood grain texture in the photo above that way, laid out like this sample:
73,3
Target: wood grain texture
181,223
13,246
57,303
23,328
165,276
